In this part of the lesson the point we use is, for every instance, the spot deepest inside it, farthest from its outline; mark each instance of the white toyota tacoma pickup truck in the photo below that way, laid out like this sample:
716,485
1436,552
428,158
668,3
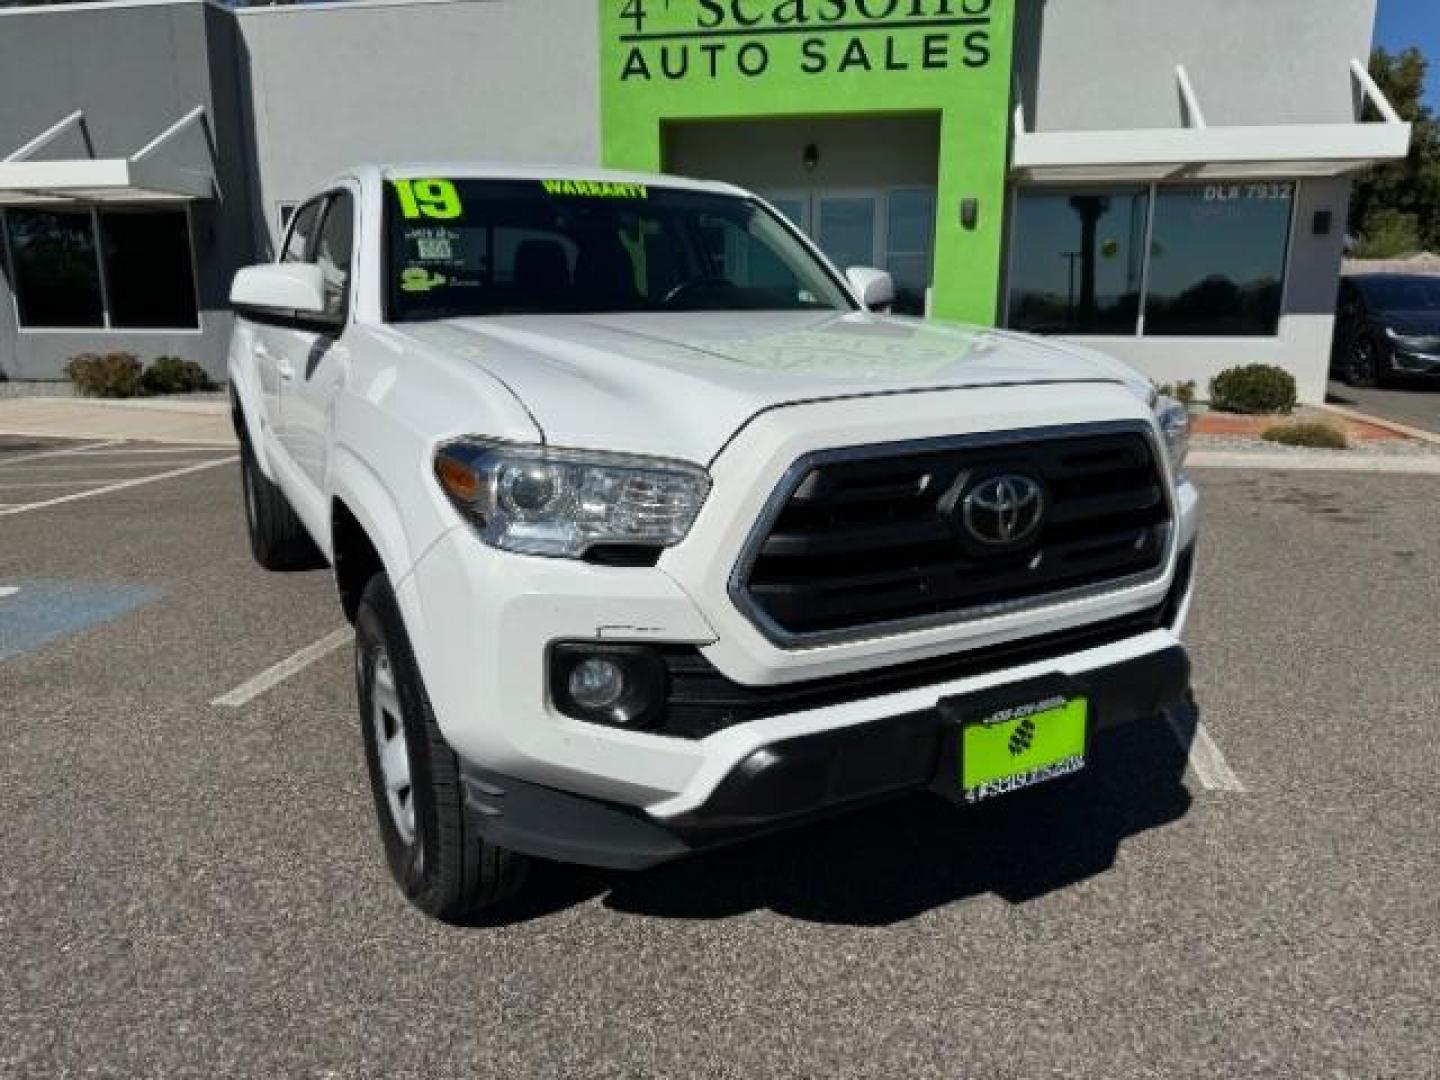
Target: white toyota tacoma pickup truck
658,533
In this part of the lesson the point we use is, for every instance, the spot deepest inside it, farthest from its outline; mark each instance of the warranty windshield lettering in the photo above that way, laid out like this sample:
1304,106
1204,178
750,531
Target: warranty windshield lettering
681,40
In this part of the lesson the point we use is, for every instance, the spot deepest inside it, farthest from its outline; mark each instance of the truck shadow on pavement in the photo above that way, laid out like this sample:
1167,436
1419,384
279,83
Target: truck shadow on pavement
898,860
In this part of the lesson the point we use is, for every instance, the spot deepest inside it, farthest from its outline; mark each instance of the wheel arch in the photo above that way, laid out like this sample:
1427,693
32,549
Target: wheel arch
366,533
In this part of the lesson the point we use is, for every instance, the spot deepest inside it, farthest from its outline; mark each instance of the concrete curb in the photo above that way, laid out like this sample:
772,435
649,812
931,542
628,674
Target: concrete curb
193,423
205,407
1317,461
1380,422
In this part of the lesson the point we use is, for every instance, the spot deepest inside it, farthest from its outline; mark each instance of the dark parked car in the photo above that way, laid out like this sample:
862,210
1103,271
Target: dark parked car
1387,327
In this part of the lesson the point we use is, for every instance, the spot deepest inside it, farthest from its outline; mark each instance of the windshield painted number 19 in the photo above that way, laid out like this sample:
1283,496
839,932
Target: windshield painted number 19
427,198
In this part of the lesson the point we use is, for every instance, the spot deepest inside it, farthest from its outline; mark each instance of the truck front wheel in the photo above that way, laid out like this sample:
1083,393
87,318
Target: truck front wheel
443,868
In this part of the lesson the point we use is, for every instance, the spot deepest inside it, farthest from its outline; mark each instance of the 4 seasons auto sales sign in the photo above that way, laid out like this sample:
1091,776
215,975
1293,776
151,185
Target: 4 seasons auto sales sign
665,62
676,40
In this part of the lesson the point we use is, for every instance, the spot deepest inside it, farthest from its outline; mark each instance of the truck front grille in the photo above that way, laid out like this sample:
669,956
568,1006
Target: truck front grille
864,539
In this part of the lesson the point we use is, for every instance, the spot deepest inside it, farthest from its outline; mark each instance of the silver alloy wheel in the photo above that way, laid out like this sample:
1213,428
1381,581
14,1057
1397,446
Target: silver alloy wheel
390,747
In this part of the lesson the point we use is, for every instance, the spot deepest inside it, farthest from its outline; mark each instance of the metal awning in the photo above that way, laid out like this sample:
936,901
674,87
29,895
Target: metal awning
141,177
1201,152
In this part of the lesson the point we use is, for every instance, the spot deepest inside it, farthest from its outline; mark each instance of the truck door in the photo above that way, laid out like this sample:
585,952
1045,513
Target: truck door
269,337
311,355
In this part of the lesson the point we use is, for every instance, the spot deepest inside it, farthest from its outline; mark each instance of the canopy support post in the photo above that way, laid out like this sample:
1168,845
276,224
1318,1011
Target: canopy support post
53,132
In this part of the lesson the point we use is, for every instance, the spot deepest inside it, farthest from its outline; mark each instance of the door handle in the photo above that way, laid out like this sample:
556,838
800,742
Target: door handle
285,369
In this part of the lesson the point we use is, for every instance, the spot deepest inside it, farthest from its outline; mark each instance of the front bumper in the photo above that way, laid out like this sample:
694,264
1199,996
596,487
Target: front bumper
783,783
483,622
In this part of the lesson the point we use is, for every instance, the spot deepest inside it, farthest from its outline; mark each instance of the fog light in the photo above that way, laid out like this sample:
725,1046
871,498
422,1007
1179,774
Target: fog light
622,685
597,683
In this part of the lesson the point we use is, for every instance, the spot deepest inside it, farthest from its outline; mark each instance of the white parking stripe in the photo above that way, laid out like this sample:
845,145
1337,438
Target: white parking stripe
66,452
1206,761
8,590
46,468
271,677
76,482
121,486
151,450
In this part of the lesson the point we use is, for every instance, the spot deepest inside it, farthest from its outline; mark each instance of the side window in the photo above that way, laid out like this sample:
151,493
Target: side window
297,244
333,249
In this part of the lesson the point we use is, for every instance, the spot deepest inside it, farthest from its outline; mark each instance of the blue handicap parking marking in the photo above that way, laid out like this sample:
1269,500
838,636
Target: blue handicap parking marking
37,611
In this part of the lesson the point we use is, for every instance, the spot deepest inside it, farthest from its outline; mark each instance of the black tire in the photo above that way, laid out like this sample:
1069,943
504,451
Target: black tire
1363,362
277,538
442,867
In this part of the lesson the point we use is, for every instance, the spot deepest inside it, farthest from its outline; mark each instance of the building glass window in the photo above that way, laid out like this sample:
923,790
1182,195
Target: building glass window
1215,265
846,229
150,282
1217,259
57,274
1077,261
909,246
117,268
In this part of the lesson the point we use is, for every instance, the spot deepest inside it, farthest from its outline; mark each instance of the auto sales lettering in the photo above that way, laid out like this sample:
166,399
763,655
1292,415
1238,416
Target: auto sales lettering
678,41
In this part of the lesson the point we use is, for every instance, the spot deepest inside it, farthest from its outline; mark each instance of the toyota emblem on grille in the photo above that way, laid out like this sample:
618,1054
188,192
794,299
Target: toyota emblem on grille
1003,511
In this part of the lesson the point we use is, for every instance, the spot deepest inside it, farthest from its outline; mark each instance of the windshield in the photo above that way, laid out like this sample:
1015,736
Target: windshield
1402,294
500,247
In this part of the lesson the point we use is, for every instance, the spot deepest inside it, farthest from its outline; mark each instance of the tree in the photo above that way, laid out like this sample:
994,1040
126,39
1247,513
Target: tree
1395,207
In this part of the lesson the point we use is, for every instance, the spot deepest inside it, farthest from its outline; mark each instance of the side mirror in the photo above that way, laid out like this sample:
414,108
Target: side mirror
875,288
283,287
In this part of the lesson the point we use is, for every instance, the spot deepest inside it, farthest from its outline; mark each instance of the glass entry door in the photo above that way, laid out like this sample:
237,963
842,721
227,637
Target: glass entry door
846,228
893,229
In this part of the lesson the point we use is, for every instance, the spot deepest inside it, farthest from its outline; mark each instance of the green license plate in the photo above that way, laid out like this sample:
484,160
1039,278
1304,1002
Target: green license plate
1022,745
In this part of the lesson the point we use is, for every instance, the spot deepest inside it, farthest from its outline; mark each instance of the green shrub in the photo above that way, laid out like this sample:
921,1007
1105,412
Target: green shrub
172,375
1183,392
114,375
1321,436
1388,234
1254,388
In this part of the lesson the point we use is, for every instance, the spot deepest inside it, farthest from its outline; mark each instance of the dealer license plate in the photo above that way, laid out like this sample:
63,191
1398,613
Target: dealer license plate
1018,746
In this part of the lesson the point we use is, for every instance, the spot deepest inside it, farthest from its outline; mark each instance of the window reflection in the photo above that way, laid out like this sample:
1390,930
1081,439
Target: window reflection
1217,259
909,241
148,270
57,274
847,230
1077,260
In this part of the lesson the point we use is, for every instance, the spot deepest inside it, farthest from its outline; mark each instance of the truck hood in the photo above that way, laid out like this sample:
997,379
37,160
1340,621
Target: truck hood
681,384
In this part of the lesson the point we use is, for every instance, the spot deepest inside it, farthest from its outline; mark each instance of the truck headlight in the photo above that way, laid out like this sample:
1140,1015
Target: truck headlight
544,501
1174,422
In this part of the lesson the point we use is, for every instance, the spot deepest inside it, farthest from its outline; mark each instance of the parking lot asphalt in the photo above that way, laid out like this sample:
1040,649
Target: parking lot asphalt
1417,405
196,890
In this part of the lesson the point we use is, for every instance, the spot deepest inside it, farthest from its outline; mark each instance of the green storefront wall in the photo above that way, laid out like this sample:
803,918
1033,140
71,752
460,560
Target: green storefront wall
664,61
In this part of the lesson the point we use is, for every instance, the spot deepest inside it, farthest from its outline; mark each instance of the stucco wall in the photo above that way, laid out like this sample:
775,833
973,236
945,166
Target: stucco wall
297,93
1088,64
770,154
500,80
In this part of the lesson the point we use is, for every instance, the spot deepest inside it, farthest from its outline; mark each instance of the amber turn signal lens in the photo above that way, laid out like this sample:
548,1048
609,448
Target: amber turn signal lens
458,479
